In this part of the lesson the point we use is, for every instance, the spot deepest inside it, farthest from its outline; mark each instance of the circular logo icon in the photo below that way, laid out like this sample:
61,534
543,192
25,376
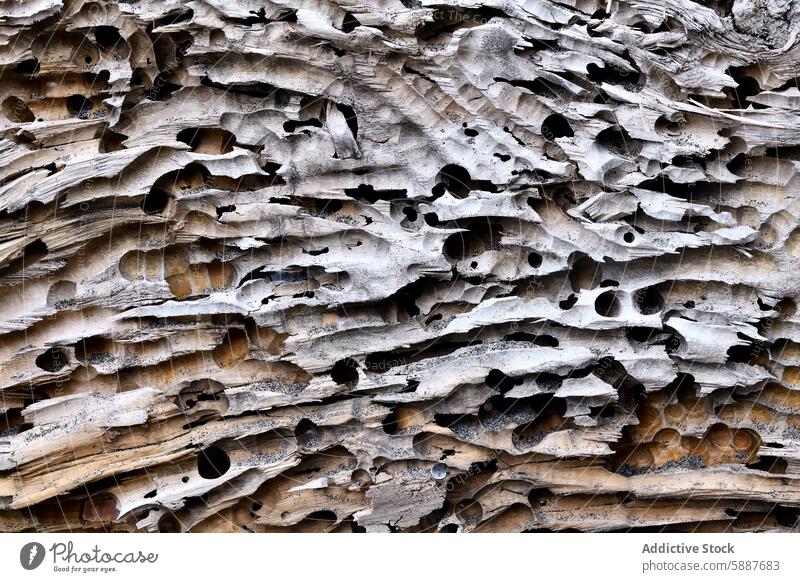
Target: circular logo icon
31,555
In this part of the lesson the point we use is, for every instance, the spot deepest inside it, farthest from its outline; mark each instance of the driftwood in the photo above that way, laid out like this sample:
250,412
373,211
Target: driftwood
399,265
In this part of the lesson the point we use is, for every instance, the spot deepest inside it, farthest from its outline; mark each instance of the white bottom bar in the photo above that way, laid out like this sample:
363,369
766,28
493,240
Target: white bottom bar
401,558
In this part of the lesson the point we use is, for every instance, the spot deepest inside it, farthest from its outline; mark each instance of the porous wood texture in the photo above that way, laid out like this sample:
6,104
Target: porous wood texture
399,265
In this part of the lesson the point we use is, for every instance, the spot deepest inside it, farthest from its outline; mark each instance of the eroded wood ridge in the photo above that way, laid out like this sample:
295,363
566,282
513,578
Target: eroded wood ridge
399,265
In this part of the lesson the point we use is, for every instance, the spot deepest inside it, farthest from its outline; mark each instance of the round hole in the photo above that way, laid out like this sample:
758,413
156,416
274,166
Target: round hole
628,237
410,213
469,511
786,307
747,87
668,436
607,304
569,302
324,515
232,349
35,251
101,507
208,140
456,246
454,179
556,126
16,111
648,301
169,524
28,66
155,202
94,349
79,106
538,497
52,360
107,37
307,433
389,423
111,141
60,293
345,372
744,440
471,243
535,260
213,463
618,141
720,436
361,479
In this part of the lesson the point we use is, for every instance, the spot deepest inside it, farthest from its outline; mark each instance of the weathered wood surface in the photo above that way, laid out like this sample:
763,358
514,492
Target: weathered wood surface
399,265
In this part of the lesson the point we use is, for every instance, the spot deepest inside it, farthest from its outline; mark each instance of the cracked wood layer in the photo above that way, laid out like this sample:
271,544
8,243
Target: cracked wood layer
399,265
